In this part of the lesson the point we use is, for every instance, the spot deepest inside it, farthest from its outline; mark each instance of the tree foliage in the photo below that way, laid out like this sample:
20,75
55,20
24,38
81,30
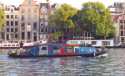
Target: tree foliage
95,18
61,18
1,18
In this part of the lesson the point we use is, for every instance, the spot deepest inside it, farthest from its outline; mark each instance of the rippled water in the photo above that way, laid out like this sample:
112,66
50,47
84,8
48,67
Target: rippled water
113,65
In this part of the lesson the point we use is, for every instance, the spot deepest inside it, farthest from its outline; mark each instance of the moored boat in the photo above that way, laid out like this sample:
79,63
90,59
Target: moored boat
57,50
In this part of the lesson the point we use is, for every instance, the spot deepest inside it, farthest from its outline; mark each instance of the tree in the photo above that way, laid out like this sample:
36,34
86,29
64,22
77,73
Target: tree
95,18
61,18
1,18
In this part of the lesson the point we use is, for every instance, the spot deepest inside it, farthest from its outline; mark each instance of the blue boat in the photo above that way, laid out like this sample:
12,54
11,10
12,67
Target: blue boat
57,50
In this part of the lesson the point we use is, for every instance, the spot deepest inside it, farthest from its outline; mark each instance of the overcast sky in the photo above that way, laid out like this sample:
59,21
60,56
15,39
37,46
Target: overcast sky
75,3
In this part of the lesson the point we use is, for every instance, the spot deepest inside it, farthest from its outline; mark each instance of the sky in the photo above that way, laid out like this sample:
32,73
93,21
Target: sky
75,3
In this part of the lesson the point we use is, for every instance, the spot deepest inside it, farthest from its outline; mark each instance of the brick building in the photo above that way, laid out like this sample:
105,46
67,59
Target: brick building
28,22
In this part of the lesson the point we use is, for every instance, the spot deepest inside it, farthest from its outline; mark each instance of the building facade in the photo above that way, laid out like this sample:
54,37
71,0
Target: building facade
45,11
27,23
10,30
118,17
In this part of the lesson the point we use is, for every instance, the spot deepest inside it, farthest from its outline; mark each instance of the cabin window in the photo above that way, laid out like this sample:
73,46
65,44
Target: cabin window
93,42
44,48
55,47
105,43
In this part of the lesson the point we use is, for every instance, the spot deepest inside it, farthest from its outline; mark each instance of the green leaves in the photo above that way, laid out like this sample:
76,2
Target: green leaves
62,16
1,18
95,14
94,17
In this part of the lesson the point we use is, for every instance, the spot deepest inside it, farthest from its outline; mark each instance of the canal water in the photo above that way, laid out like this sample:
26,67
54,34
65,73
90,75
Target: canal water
113,65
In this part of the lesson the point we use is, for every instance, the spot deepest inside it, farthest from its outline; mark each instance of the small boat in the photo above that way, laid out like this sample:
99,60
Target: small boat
56,50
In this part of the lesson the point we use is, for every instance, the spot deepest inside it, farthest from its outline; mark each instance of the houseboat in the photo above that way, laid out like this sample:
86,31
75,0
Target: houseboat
94,43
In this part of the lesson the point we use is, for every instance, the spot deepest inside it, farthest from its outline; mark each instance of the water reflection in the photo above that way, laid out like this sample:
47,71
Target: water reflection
113,65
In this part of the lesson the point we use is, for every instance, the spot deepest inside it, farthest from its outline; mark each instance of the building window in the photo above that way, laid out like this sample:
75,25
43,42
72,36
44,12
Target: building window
2,35
46,30
7,36
121,33
23,24
28,33
11,10
11,23
121,26
7,23
8,30
35,37
12,16
23,35
12,36
86,34
16,22
35,25
16,36
41,30
22,18
122,39
12,30
7,16
15,16
121,21
16,29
